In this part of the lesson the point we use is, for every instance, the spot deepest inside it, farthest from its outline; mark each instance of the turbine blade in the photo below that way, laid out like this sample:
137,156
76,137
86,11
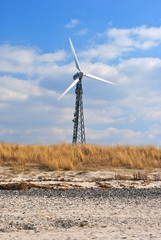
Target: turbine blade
98,78
67,90
74,55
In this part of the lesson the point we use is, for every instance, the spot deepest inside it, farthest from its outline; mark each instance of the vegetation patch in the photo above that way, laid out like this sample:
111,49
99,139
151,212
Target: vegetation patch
79,157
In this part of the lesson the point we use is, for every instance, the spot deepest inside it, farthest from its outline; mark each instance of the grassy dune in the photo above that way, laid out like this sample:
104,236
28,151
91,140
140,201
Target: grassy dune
79,157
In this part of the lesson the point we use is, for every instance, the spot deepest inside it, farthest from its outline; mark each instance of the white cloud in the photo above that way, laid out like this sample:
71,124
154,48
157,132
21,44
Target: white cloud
136,103
109,135
13,89
122,41
83,31
104,115
52,134
142,37
99,69
18,59
142,91
17,54
9,131
72,23
52,57
103,52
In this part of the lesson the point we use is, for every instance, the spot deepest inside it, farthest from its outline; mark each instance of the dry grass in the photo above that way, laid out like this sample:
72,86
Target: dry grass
79,157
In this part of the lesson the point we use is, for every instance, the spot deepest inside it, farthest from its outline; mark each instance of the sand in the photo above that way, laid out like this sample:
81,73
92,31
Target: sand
80,205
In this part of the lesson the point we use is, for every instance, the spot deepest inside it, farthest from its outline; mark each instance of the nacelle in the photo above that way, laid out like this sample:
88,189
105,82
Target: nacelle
78,75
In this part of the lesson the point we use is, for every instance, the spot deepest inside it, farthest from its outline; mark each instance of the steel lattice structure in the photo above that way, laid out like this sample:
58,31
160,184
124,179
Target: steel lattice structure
79,129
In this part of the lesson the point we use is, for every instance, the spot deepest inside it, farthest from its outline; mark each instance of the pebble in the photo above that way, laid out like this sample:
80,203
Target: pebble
45,210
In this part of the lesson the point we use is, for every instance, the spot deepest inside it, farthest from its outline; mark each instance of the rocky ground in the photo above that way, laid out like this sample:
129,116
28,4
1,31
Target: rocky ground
80,205
80,214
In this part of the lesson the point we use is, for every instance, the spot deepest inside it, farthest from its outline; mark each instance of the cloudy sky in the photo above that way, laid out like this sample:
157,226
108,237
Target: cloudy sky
119,40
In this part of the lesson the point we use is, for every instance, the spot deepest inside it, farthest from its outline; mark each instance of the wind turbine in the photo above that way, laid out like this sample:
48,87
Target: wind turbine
79,129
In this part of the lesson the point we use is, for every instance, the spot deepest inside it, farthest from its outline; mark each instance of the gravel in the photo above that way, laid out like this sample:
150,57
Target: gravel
81,213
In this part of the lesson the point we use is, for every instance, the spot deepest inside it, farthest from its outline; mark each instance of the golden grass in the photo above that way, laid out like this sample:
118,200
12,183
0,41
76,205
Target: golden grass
79,157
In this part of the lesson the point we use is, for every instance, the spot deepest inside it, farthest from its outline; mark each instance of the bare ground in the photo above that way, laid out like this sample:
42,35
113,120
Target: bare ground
113,204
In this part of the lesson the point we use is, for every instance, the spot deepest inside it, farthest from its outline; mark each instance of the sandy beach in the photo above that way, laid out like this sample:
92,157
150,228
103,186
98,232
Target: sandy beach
79,205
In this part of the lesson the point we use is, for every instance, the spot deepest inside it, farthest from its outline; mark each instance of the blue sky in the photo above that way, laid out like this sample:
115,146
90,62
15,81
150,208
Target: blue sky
119,40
